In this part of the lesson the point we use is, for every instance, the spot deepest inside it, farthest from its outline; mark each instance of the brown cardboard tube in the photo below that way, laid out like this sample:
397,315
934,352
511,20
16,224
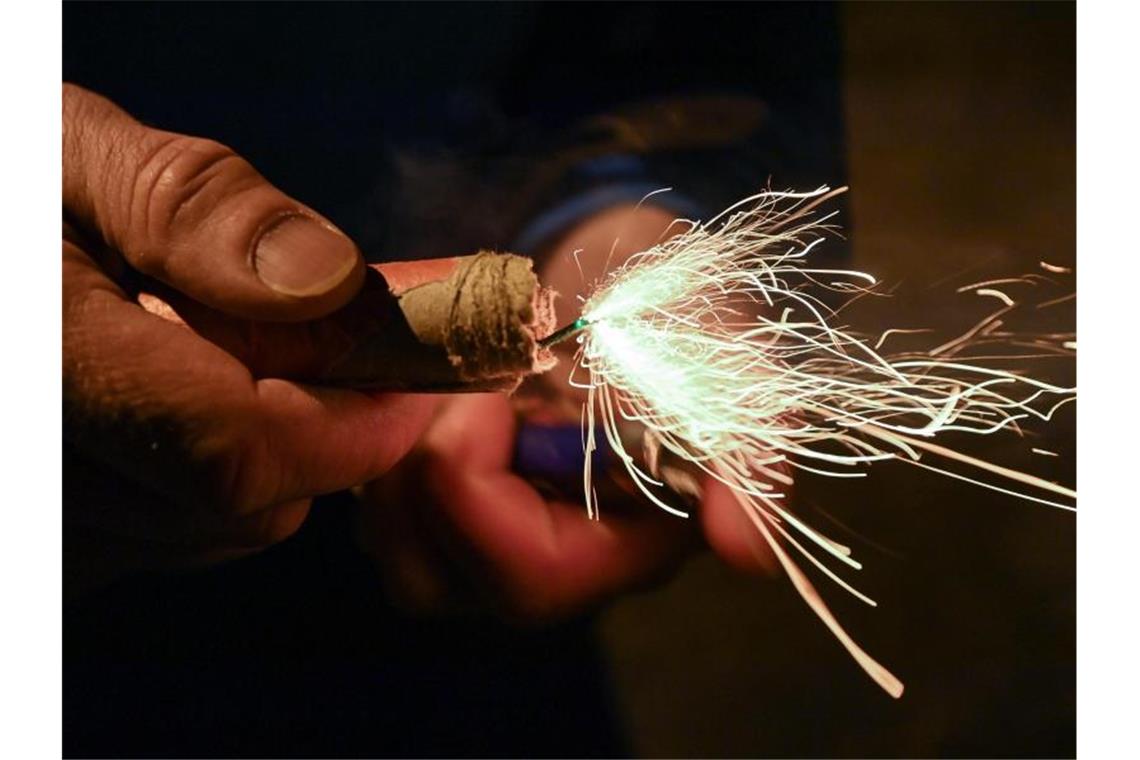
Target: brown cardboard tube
464,324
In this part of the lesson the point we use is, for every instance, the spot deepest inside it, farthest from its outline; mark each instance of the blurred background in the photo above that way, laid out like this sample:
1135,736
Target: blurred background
955,126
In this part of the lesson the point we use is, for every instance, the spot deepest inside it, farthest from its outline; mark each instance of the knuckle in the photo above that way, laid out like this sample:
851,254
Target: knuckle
178,182
74,100
237,471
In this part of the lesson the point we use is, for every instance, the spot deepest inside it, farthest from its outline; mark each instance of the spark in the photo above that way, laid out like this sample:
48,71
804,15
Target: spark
897,331
1000,281
720,345
1056,301
996,294
1054,268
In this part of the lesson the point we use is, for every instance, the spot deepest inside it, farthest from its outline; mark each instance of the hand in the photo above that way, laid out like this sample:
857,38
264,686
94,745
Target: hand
178,451
453,529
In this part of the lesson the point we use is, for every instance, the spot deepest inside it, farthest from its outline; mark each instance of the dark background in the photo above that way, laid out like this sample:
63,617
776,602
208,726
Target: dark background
956,128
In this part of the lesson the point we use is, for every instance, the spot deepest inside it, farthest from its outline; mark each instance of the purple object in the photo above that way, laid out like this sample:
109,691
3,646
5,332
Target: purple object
554,451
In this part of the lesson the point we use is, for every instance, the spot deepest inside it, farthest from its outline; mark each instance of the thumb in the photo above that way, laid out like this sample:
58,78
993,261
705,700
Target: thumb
193,214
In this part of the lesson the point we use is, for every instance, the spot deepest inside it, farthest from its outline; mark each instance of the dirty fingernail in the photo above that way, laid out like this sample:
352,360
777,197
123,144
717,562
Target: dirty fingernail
299,256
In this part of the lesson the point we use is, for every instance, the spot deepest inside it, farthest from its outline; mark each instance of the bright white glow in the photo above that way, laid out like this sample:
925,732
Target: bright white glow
719,344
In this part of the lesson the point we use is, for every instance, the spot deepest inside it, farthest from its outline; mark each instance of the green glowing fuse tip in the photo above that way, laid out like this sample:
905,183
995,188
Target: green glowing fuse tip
563,333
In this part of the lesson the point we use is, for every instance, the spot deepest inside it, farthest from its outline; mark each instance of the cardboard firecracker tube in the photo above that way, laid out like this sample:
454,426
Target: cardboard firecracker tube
467,324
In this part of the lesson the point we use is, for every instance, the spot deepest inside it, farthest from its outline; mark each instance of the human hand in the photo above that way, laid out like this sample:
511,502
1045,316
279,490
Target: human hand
453,529
178,451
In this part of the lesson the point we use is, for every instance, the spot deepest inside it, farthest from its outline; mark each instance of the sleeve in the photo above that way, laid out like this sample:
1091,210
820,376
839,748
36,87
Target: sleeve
703,152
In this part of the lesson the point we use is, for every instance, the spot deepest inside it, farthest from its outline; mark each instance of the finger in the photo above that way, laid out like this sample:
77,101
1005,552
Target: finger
552,560
324,440
191,213
268,527
731,534
185,417
549,559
